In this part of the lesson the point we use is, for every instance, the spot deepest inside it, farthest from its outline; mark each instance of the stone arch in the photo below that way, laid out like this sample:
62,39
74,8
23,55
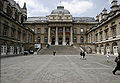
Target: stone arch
102,49
107,48
97,49
115,48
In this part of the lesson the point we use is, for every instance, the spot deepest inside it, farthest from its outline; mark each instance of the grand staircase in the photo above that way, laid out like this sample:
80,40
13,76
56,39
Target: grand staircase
60,50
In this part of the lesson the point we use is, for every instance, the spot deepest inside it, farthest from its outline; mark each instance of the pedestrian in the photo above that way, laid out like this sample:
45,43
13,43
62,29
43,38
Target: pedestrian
54,53
117,60
81,54
108,56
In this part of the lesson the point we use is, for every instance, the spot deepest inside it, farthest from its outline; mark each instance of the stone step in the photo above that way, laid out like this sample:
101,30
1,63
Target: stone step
60,50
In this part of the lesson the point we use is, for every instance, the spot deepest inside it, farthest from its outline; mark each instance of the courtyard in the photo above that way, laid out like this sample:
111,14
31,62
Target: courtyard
58,69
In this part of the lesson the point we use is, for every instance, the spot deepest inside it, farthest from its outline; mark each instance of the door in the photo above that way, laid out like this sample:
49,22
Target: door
60,41
115,50
3,50
53,41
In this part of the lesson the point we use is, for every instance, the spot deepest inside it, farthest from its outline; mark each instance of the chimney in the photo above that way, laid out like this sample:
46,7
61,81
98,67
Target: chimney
115,5
104,13
24,7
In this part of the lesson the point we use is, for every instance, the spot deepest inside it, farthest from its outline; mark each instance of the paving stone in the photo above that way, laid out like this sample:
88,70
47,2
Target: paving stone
58,69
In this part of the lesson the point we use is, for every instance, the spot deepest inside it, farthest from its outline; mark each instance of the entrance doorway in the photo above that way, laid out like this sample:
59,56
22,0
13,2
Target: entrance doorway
53,41
60,41
67,41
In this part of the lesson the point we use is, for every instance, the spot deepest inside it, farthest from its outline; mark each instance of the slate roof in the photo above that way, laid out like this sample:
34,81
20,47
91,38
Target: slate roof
36,19
84,19
45,19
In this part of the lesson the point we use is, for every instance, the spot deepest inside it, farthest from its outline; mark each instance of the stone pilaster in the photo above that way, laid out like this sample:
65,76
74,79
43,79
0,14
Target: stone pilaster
64,43
71,36
49,41
56,39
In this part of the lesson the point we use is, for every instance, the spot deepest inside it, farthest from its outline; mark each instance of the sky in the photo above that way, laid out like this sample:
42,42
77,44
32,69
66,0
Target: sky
78,8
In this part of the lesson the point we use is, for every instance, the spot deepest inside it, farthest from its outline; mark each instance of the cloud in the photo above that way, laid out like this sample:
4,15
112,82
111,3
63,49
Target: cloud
35,8
77,7
110,1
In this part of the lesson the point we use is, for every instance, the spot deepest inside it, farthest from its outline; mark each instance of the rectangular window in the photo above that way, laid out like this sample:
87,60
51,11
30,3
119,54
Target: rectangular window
11,49
3,50
74,39
75,31
114,34
81,30
106,35
38,30
46,30
45,39
96,37
101,36
12,33
5,31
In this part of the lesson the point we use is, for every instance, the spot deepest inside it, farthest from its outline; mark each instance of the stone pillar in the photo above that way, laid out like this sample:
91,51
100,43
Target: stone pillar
64,43
56,39
49,42
71,36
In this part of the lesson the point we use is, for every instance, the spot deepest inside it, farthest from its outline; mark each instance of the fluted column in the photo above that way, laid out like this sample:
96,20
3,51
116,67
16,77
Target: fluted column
64,43
71,36
56,39
49,41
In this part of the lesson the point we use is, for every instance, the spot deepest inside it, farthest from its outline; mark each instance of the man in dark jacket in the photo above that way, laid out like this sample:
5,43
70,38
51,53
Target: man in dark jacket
84,55
81,54
117,60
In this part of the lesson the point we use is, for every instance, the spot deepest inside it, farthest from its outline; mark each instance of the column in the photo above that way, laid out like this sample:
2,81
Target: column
49,42
71,36
64,43
56,39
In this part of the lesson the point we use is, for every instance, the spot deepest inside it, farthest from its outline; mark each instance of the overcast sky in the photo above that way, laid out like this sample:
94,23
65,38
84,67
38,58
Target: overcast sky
81,8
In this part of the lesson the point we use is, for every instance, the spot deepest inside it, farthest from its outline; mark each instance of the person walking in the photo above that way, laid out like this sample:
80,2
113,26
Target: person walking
117,60
54,53
81,54
108,56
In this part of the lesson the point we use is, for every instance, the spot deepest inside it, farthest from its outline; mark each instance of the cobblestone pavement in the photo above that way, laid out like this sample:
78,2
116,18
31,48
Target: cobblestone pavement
58,69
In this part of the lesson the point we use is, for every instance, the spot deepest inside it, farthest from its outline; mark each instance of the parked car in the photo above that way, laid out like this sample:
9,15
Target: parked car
26,52
31,51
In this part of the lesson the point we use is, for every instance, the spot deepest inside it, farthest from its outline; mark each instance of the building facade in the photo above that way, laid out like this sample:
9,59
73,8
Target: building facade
60,28
14,36
106,34
100,36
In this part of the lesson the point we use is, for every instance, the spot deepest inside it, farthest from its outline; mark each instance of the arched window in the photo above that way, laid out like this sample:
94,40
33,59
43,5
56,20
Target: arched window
38,39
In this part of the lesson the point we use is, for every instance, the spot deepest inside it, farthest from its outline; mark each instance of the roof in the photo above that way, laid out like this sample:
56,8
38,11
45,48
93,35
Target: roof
36,19
45,19
84,19
60,10
14,4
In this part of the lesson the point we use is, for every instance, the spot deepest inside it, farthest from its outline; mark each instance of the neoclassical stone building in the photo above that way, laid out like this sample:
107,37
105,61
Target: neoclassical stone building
60,28
14,37
106,34
94,36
